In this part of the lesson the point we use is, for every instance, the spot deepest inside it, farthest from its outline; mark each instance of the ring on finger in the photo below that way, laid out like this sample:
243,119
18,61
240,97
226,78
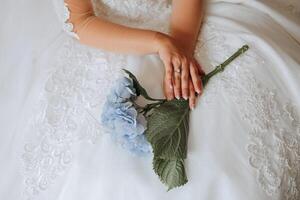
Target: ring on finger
178,70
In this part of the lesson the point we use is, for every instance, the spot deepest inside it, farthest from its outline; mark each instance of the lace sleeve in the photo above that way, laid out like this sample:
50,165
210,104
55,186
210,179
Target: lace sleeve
63,14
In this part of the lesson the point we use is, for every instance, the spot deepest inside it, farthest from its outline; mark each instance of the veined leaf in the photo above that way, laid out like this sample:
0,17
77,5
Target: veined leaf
170,172
168,128
167,132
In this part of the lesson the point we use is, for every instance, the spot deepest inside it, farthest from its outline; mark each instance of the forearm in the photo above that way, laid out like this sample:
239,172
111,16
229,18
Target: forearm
102,34
186,21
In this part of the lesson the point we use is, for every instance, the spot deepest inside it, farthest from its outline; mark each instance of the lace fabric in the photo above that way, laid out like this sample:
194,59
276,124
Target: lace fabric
63,116
63,14
274,139
132,10
132,13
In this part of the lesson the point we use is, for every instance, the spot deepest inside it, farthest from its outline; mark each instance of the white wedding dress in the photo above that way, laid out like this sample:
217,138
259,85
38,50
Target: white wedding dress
244,140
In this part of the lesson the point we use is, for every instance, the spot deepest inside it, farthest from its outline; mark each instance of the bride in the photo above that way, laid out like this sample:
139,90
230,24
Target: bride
244,140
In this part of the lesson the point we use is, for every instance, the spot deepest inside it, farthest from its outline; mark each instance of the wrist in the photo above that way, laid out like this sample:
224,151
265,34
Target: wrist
161,40
187,46
186,42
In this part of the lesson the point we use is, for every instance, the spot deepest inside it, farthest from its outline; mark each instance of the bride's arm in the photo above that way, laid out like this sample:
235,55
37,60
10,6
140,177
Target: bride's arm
185,26
99,33
186,21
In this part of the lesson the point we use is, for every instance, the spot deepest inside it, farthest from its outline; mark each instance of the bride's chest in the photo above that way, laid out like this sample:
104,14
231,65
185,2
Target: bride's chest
132,9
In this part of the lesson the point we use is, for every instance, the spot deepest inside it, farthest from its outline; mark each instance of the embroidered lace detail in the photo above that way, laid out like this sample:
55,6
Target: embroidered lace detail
274,146
74,90
275,137
274,141
132,12
63,13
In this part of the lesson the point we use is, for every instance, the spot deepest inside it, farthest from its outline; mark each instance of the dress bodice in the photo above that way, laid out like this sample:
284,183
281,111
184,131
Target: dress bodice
127,12
133,10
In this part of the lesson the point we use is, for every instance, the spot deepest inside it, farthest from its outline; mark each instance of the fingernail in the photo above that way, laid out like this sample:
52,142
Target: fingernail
185,97
177,97
193,107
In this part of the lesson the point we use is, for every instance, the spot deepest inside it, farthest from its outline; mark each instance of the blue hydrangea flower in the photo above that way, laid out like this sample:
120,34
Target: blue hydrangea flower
122,91
121,117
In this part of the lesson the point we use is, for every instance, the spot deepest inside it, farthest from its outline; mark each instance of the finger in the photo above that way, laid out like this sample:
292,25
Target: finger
185,74
196,79
201,87
192,99
169,74
202,74
168,91
168,81
200,70
177,77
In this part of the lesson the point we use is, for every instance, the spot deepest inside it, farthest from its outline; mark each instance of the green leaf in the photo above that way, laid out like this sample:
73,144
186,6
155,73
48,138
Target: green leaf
167,131
168,128
170,172
139,89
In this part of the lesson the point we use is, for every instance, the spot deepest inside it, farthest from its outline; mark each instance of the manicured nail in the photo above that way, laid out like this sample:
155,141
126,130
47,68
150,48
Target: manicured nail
185,97
178,97
171,97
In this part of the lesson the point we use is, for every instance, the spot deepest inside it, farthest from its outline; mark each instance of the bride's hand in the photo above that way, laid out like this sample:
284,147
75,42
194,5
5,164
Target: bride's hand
181,70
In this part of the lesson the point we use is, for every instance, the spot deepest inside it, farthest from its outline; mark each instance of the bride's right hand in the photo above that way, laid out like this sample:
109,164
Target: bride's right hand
180,69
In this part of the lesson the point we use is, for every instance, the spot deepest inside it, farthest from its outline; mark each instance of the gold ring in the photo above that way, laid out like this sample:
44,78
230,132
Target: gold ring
178,70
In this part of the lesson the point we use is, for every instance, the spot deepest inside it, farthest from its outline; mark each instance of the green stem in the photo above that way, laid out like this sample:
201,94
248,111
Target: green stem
137,85
153,99
137,106
222,66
